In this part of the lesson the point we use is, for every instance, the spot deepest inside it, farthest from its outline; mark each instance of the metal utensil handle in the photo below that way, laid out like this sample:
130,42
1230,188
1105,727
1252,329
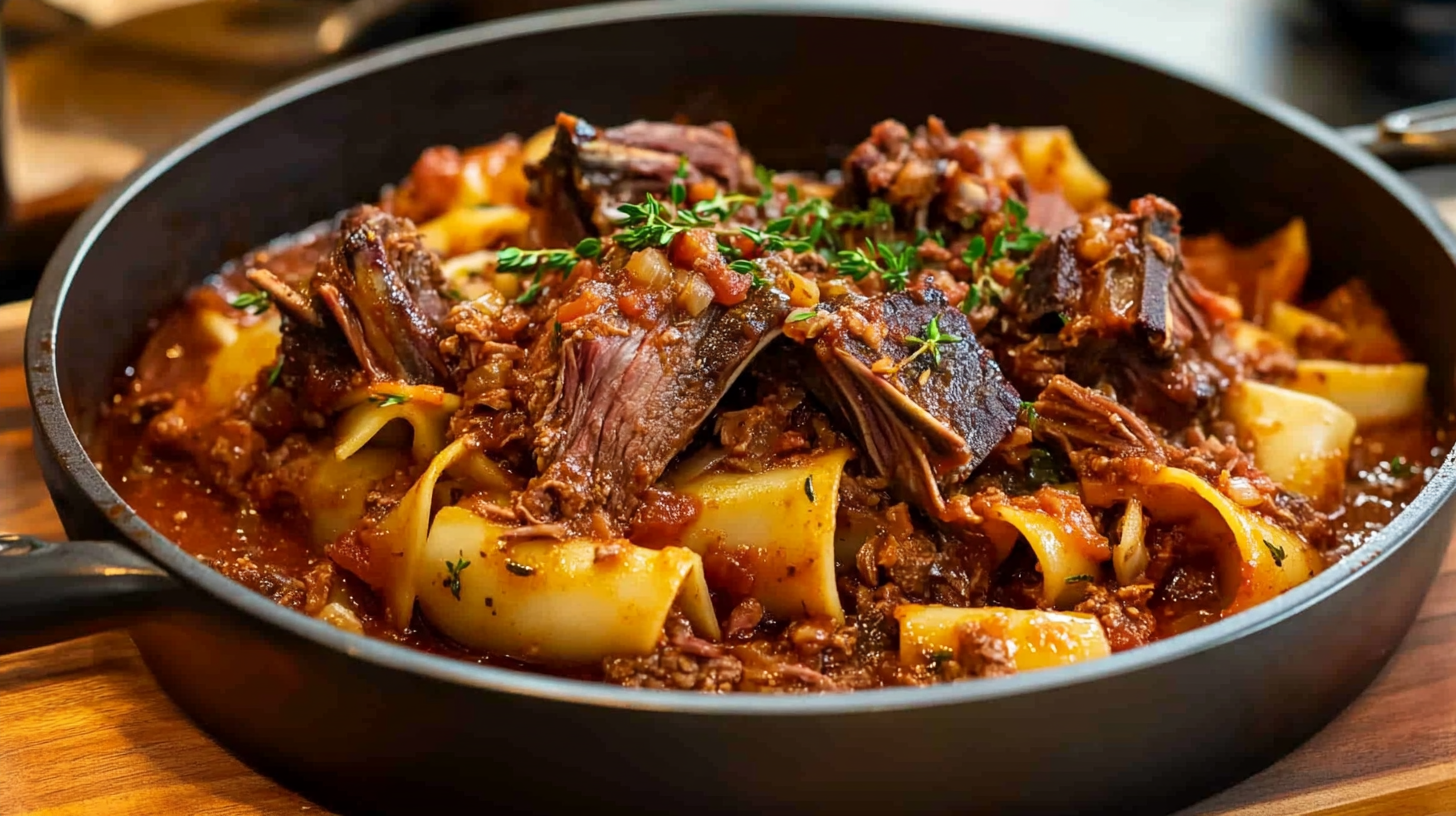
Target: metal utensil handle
51,592
1412,137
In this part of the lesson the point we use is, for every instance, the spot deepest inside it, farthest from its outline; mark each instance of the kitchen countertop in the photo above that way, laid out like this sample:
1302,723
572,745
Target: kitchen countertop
84,729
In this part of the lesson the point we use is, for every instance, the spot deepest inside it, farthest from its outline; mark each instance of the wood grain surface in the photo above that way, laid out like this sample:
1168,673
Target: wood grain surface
85,731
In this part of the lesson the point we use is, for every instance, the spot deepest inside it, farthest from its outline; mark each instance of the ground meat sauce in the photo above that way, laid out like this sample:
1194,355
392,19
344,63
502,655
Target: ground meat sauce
983,357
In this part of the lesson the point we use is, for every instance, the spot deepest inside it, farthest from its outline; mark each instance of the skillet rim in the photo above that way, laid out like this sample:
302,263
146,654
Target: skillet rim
62,442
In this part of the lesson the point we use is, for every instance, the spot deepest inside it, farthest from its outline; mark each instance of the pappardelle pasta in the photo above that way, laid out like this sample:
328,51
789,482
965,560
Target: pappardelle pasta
621,404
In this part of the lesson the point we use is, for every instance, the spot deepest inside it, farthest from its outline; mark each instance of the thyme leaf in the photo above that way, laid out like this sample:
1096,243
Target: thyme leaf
252,302
453,569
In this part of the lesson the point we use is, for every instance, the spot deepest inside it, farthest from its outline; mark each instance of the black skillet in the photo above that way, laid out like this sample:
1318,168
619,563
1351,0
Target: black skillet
366,726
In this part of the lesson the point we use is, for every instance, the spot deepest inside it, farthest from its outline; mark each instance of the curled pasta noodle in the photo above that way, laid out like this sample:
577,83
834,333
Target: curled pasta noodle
1032,638
400,537
1258,559
780,525
243,351
1300,440
1292,325
1068,555
470,229
1371,393
574,601
426,409
1051,160
334,494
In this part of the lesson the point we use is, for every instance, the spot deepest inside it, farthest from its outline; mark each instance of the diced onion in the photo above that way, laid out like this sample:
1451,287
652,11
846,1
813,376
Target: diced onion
696,295
650,268
803,292
338,615
1130,556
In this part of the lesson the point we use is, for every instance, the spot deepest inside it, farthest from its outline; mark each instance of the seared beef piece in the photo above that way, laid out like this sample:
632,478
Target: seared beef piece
629,395
1107,303
373,303
589,172
1119,276
925,424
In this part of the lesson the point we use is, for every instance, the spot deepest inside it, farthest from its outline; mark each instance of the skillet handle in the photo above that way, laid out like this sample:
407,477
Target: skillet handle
50,592
1412,137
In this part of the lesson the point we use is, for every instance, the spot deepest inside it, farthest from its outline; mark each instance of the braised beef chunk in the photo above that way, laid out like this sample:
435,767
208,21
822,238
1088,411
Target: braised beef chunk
1117,277
1107,303
932,176
373,303
589,171
630,396
381,285
905,371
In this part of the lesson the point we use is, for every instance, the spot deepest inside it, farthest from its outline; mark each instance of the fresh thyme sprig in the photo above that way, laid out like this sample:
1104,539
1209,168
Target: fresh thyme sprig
453,570
879,212
1014,238
252,302
645,225
513,259
894,266
931,341
752,270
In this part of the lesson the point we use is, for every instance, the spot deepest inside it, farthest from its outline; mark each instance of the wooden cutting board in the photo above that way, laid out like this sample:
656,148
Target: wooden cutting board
85,731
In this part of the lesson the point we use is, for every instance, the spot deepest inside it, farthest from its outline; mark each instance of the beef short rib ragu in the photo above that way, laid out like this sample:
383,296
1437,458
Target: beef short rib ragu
925,424
372,307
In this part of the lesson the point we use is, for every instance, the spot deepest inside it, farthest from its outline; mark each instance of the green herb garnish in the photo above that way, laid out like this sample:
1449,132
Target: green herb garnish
277,370
252,302
1276,551
512,259
750,269
893,266
1079,579
809,487
931,340
678,190
386,400
454,569
1029,408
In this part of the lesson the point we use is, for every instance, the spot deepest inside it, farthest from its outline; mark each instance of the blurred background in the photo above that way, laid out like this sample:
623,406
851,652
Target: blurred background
94,86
